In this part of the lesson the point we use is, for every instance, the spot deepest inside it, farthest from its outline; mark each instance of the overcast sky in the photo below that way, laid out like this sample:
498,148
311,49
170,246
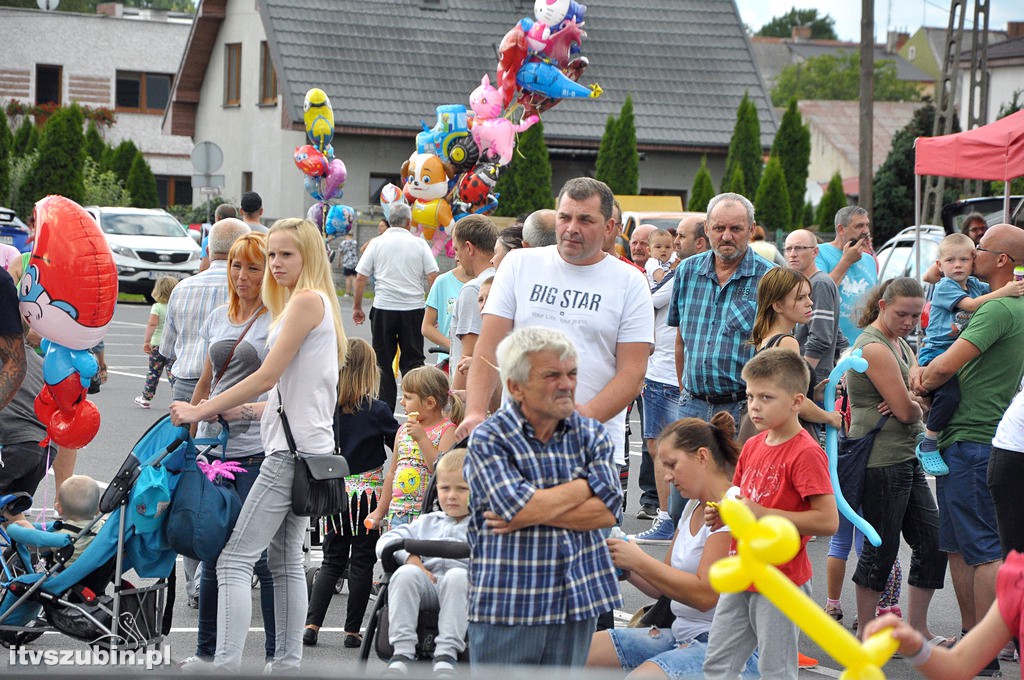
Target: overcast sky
907,15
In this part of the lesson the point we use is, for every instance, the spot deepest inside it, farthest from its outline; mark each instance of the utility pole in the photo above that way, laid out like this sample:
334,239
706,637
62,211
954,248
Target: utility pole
867,108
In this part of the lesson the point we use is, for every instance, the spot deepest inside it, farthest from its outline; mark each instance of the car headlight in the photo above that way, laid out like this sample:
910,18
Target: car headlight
121,250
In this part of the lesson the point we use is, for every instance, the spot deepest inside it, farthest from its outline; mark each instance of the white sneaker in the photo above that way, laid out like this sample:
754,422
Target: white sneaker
141,402
195,664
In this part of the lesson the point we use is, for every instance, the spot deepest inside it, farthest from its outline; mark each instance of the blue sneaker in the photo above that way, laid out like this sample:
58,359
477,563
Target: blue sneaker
661,532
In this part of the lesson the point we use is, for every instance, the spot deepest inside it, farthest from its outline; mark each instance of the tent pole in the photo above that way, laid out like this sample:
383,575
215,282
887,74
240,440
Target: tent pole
1006,201
917,219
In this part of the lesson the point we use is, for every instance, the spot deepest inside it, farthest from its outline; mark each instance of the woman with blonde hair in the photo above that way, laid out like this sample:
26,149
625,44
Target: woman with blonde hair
300,372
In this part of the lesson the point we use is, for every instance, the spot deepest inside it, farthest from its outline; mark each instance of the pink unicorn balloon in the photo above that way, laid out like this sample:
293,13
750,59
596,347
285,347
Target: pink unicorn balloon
494,135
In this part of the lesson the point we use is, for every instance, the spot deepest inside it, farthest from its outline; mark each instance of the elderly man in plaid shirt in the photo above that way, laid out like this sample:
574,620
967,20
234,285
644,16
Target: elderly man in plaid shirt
714,302
543,483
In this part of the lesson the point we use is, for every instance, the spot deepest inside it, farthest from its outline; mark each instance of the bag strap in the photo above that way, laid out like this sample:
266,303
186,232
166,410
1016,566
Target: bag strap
776,339
284,423
227,361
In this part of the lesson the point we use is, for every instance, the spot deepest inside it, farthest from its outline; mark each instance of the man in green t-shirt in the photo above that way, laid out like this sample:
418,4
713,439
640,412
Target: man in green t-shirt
988,358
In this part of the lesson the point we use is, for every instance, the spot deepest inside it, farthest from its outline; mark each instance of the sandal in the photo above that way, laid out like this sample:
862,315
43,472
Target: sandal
940,641
931,462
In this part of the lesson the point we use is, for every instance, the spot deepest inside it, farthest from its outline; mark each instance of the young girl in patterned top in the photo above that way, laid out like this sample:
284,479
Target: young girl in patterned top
425,398
363,426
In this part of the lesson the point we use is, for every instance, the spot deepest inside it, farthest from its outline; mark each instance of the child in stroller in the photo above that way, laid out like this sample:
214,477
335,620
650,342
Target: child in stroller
434,576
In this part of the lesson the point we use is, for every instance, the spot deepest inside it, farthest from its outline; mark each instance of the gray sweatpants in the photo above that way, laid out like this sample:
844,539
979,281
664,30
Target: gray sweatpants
410,590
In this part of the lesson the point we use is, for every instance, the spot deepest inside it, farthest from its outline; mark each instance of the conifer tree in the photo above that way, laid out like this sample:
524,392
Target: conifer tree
745,148
120,160
604,166
772,199
525,183
58,169
831,202
736,184
627,158
792,146
6,142
703,190
94,144
141,184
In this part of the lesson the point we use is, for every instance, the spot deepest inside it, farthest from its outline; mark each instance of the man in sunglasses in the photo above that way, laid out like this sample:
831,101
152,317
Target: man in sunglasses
820,336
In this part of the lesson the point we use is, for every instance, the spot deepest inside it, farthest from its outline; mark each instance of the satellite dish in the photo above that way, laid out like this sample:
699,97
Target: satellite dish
47,5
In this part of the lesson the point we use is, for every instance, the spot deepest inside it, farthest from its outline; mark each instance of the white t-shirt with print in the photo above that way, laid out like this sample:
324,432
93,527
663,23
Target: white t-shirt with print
598,306
399,263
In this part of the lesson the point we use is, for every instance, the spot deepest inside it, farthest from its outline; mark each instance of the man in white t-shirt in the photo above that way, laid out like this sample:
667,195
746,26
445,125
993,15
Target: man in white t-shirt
474,237
403,269
602,304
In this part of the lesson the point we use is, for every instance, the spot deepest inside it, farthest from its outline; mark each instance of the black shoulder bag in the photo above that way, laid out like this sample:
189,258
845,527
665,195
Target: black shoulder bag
318,487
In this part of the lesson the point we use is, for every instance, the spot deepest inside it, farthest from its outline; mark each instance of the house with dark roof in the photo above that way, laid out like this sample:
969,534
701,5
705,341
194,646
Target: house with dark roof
122,59
386,65
1005,74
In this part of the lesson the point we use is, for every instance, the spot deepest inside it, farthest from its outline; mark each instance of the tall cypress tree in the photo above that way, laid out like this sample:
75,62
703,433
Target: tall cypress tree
792,146
525,183
120,160
745,148
772,199
831,202
141,184
894,181
627,161
6,141
94,144
703,190
58,169
22,143
736,183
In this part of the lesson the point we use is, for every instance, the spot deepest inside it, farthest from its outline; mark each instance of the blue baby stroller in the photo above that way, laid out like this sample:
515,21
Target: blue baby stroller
73,599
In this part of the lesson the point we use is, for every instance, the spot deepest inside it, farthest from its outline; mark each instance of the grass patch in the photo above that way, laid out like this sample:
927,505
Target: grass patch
136,298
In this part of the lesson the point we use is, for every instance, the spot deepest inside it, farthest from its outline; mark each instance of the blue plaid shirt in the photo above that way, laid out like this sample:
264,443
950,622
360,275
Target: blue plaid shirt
539,575
715,321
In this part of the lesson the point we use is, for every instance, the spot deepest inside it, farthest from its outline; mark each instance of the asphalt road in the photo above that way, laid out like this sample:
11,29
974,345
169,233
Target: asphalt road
123,423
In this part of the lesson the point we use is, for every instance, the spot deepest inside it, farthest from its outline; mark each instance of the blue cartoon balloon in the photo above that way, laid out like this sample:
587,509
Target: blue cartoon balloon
340,219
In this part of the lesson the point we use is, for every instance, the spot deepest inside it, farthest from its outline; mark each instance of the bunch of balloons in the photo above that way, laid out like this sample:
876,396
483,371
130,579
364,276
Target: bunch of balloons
325,174
457,162
67,294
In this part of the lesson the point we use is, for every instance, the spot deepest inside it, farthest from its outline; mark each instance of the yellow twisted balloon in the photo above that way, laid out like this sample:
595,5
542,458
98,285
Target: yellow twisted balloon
761,544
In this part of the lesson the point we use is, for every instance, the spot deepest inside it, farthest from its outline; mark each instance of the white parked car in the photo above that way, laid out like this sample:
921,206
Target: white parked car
147,244
898,256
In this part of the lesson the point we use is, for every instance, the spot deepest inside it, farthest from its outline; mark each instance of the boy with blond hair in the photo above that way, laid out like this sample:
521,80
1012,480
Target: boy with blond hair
782,471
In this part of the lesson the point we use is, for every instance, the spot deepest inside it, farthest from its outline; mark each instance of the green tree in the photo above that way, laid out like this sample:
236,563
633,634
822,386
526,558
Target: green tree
745,148
703,190
103,188
837,77
807,217
141,184
772,199
21,167
26,138
525,183
792,145
6,141
894,181
58,169
736,183
831,202
627,159
95,146
120,160
822,28
604,166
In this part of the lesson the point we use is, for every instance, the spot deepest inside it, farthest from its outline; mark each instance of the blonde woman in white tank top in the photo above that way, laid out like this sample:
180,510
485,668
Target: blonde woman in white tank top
307,345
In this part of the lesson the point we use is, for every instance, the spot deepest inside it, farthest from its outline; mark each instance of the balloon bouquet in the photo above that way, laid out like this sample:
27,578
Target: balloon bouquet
325,174
67,295
457,162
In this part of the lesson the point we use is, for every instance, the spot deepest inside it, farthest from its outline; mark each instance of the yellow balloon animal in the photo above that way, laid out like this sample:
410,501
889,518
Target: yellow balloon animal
761,544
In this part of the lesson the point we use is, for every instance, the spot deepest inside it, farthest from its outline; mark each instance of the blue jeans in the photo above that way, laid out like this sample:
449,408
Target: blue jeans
557,644
967,519
266,521
680,660
645,478
206,640
690,407
897,500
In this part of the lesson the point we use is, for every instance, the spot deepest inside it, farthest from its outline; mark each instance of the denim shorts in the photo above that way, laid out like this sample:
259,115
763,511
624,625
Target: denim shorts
967,514
679,660
661,407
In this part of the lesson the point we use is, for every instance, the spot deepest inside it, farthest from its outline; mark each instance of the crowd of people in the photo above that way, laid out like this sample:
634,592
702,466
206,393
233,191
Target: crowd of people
547,342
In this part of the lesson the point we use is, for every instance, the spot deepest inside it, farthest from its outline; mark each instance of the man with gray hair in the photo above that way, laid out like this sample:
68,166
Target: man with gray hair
539,229
542,484
403,269
848,260
820,336
714,302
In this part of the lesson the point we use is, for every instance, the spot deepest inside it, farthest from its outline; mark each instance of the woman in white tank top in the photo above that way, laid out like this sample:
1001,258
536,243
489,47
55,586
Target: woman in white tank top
307,345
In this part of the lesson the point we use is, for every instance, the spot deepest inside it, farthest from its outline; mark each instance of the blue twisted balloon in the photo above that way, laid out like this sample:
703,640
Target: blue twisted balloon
854,362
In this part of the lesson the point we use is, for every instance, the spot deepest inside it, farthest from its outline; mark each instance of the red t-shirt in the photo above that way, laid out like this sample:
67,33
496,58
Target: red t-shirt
784,476
1010,594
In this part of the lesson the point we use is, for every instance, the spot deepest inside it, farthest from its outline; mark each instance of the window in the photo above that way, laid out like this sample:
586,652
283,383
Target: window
48,84
173,190
268,78
233,74
246,182
911,53
142,92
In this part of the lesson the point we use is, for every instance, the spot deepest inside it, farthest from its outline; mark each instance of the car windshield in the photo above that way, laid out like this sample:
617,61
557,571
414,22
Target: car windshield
902,262
142,225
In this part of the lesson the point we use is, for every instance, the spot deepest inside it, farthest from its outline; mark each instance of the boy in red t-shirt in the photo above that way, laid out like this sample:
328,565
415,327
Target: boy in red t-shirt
782,471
